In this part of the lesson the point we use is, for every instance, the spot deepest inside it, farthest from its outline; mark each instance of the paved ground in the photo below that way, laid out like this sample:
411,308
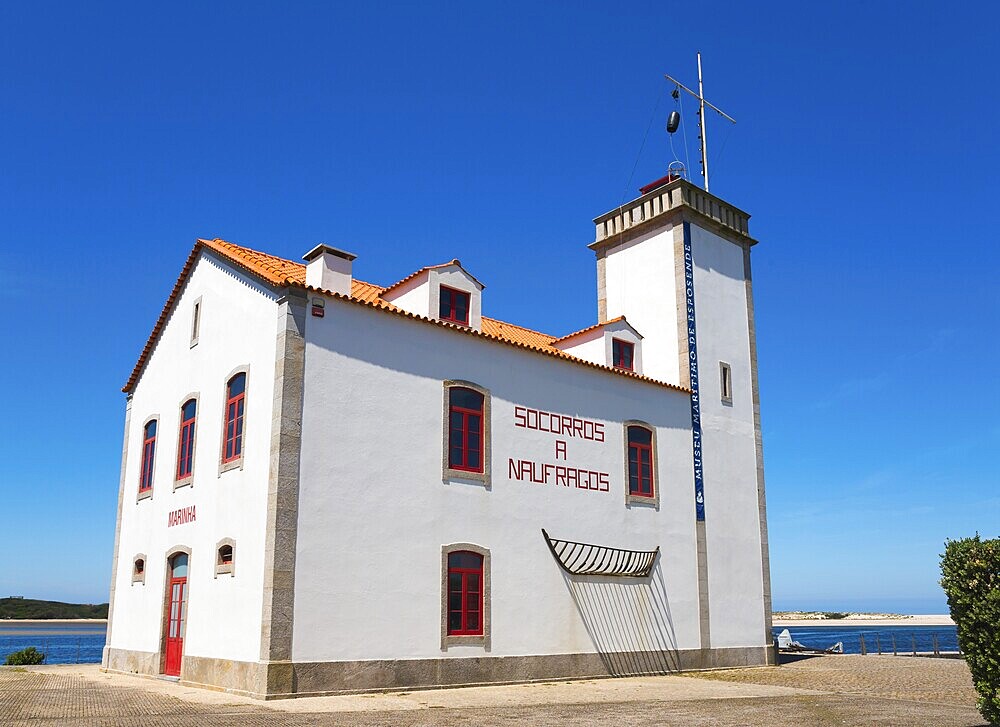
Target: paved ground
839,690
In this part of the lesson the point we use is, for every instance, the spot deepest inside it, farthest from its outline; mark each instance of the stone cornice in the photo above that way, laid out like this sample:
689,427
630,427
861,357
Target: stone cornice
673,202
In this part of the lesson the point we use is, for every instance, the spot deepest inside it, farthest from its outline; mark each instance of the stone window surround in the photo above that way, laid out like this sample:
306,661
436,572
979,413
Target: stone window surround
631,499
238,462
725,373
448,473
196,314
483,639
475,300
225,568
189,480
138,577
165,605
148,494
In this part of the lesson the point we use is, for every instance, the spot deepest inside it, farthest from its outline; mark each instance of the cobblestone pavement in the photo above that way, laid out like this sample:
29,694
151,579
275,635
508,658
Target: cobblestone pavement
920,679
895,692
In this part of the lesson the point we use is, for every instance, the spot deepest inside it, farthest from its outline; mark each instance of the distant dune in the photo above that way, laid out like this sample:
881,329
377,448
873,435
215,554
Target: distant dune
833,618
30,608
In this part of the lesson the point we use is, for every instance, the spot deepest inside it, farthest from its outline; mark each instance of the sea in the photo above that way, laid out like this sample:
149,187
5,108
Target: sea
62,643
889,639
82,643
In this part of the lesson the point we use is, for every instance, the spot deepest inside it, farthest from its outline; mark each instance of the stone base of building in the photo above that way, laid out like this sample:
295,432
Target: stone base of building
284,680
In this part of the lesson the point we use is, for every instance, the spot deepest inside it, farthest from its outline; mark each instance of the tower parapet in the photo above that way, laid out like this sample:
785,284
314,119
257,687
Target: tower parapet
662,205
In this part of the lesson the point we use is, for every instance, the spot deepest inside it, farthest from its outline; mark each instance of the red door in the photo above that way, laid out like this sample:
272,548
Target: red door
176,615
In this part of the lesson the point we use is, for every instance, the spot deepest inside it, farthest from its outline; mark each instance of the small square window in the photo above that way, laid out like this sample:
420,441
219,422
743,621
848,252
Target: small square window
454,306
726,382
622,354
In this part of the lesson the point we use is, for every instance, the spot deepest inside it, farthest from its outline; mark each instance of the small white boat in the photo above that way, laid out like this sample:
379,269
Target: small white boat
787,643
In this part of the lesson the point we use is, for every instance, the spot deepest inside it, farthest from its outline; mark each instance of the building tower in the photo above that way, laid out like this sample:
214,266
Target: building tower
675,262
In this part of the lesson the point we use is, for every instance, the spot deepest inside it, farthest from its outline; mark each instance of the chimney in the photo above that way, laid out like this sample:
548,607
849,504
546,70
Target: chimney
329,268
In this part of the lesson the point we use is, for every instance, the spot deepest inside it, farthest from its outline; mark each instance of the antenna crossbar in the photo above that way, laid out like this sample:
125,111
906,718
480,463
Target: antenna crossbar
702,103
707,102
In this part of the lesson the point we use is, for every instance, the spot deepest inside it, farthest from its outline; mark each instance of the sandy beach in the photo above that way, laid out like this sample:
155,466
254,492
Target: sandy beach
870,620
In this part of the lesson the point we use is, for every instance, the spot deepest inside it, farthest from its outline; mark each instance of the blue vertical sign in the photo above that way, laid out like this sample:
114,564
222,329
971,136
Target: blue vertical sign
699,474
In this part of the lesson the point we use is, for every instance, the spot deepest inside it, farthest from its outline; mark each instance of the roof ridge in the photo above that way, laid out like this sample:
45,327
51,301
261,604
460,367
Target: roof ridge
415,273
280,272
523,328
600,324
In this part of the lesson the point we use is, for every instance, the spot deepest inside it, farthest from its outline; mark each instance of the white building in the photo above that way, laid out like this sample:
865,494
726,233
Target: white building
331,486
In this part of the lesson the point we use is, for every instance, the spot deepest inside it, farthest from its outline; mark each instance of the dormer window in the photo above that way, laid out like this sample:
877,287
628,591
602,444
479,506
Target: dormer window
622,354
445,293
454,306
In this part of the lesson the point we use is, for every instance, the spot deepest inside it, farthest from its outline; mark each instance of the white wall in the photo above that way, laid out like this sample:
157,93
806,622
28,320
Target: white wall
238,328
732,519
640,285
413,296
374,511
590,346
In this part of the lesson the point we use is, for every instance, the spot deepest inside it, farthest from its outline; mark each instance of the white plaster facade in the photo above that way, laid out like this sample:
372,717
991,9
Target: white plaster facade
336,580
224,613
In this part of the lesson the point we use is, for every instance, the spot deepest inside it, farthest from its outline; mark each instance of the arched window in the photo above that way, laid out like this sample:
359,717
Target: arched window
139,569
465,593
640,462
179,566
465,429
232,446
225,556
185,444
148,455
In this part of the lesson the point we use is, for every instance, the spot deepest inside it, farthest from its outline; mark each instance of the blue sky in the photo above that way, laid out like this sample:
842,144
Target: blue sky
865,150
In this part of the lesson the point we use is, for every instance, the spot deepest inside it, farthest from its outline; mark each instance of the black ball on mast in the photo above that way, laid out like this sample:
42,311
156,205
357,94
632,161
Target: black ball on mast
673,121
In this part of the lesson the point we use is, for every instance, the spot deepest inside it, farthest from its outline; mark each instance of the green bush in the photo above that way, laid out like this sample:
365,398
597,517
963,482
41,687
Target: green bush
835,614
970,570
24,657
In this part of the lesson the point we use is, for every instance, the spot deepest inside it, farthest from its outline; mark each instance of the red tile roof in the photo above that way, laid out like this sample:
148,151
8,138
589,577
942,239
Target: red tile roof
415,273
286,273
594,327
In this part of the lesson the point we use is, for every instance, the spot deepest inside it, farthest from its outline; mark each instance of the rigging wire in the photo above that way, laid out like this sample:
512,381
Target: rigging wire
687,154
722,147
645,136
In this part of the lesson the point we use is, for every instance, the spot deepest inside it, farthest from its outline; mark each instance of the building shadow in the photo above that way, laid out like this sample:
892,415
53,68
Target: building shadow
628,621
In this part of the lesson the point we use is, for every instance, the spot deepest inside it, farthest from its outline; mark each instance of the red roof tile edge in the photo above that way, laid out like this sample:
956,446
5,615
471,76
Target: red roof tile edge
278,279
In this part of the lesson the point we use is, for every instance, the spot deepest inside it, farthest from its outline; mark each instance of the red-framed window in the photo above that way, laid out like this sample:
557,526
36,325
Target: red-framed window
465,593
465,429
640,462
622,354
185,442
148,455
232,446
454,306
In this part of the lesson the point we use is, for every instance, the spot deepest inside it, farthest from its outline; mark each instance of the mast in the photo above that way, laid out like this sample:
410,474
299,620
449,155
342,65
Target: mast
701,125
702,103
